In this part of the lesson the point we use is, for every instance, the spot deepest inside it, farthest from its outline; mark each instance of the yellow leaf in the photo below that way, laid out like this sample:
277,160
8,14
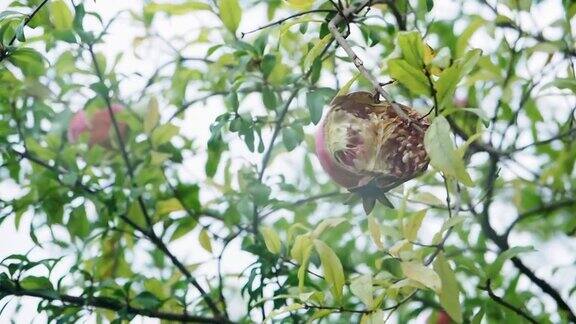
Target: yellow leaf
282,310
271,240
376,317
230,14
316,51
361,287
346,87
449,296
419,273
375,232
327,223
167,206
300,4
332,268
204,240
301,251
152,116
411,227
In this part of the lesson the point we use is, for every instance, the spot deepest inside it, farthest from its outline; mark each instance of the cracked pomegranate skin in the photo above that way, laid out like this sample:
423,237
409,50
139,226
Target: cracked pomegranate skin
361,141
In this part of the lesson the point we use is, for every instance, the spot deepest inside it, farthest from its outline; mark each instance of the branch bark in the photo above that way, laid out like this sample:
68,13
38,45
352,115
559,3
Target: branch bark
4,54
506,304
149,233
333,27
502,242
108,303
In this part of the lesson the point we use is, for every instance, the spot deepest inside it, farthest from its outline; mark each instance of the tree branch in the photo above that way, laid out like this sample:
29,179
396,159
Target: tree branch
400,20
332,26
4,54
502,243
150,232
540,210
506,304
106,303
544,142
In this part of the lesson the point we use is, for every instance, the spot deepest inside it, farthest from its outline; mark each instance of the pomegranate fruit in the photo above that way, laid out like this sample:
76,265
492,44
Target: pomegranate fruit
367,148
98,126
443,318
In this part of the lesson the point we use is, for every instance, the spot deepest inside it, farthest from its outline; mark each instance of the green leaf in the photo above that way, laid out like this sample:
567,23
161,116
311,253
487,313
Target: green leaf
442,151
36,283
267,65
315,51
450,77
135,214
164,134
176,8
259,192
60,15
332,268
152,115
419,273
446,85
230,14
477,319
147,300
78,223
271,240
412,48
291,138
496,266
412,78
29,61
449,296
269,98
316,100
204,240
462,41
185,225
165,207
562,83
362,288
215,149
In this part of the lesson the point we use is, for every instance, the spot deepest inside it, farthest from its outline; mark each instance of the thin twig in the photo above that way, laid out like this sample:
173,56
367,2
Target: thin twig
150,232
540,210
332,26
281,21
544,142
28,19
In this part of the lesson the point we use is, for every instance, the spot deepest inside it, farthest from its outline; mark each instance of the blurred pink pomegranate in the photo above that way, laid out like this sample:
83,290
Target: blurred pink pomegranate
99,126
366,147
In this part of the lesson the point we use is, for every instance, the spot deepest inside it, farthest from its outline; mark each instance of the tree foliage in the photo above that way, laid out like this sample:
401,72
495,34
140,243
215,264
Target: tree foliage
247,191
